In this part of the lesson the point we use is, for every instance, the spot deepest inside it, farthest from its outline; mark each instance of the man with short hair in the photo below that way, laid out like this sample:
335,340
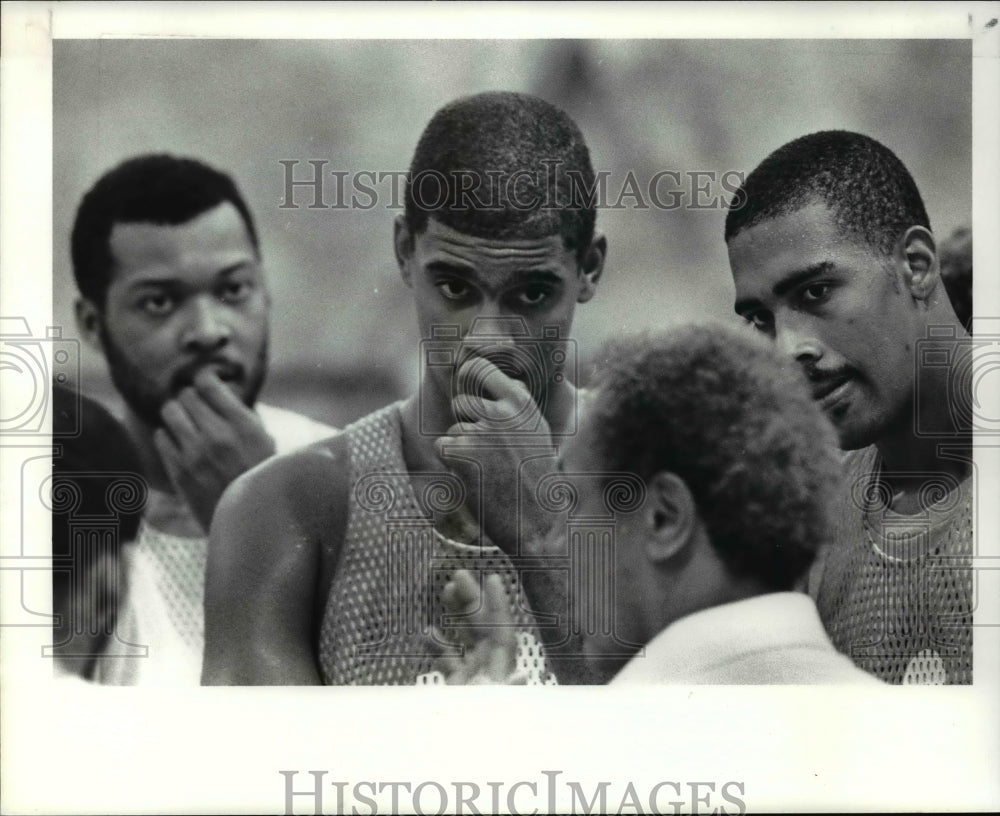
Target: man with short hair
327,565
166,257
731,466
833,258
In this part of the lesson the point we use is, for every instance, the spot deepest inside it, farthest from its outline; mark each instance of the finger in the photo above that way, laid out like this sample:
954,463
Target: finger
472,408
206,420
502,633
442,442
482,377
169,453
461,596
461,601
179,424
219,396
496,604
502,658
467,588
456,611
451,663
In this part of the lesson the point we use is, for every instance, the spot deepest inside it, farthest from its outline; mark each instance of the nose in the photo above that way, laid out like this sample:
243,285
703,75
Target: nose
795,340
491,329
490,325
206,329
492,336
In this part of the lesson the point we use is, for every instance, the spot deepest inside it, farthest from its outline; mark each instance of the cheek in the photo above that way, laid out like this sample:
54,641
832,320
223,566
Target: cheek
140,342
253,323
432,312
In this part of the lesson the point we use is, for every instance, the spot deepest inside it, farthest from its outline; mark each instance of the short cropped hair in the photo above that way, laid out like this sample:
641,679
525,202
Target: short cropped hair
724,412
155,188
870,191
503,165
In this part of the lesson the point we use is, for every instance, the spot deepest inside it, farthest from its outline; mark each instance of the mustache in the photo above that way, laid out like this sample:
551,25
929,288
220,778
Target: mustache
227,370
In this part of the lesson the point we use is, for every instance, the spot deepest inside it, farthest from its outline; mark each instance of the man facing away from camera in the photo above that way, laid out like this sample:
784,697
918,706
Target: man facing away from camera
731,467
833,258
327,566
166,258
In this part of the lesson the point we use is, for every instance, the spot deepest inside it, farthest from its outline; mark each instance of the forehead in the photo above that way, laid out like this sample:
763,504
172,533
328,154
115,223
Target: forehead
214,239
776,247
442,245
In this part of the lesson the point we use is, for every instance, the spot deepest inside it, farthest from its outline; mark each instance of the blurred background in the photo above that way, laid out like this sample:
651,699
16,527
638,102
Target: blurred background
344,335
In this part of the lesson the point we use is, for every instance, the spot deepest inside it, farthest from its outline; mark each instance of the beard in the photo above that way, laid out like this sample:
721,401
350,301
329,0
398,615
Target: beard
146,396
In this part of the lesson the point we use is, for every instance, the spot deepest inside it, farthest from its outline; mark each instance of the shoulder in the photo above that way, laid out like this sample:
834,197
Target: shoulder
291,430
304,489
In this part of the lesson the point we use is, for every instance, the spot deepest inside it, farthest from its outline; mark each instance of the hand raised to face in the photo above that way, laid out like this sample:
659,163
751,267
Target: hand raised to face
208,438
499,446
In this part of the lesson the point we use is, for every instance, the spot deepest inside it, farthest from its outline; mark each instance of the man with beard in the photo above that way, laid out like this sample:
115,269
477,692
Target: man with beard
336,582
833,258
165,255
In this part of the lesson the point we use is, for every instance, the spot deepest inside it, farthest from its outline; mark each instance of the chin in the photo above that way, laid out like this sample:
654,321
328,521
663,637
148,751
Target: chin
851,440
852,437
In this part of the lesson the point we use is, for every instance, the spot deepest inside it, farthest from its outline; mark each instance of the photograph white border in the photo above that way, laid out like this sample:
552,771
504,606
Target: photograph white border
72,748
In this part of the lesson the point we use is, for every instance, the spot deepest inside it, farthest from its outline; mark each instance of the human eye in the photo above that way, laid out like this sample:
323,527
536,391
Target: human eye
815,292
454,289
156,304
235,291
534,295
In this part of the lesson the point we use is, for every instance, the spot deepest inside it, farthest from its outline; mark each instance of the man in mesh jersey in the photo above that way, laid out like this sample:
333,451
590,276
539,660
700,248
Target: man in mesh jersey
172,292
327,566
734,467
833,258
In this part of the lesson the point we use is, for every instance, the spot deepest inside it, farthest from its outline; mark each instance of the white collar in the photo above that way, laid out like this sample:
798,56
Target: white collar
698,642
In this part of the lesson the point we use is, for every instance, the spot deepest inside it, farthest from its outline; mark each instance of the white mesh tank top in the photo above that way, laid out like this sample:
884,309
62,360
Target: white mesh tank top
895,592
394,565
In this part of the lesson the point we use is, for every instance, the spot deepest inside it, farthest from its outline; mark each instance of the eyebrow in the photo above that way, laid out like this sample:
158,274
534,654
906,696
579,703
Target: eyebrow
788,283
175,283
460,271
450,269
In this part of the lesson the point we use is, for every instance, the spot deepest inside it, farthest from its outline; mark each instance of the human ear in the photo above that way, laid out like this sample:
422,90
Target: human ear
402,243
88,322
592,267
671,517
916,256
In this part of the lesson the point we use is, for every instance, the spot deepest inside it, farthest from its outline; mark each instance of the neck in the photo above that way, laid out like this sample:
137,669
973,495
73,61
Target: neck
934,435
701,583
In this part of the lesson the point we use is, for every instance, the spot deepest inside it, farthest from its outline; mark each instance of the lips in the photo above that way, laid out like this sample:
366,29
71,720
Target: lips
827,390
226,370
